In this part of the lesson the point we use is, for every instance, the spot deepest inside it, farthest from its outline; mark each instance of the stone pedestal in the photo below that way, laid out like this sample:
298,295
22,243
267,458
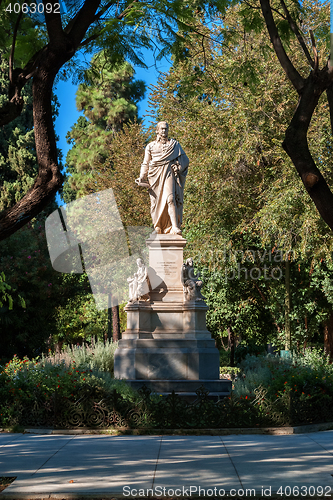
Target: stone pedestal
166,345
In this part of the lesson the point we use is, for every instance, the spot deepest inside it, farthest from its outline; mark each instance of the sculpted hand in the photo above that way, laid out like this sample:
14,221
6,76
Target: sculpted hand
175,167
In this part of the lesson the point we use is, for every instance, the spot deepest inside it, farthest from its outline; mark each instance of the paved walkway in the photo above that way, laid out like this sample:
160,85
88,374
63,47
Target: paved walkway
71,466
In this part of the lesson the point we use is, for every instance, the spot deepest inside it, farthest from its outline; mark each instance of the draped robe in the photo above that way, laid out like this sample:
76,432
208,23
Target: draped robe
164,182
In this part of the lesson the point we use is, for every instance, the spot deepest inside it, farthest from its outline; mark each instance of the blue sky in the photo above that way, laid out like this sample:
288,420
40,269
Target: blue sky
68,113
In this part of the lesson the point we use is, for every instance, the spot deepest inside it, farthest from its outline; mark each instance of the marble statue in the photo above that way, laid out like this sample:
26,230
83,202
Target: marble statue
139,283
191,284
163,171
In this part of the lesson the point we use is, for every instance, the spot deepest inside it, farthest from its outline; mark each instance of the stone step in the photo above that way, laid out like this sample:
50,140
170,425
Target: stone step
221,387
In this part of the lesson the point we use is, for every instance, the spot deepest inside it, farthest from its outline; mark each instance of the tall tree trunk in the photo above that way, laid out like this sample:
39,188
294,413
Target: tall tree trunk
328,335
108,333
231,336
309,90
115,323
287,307
43,68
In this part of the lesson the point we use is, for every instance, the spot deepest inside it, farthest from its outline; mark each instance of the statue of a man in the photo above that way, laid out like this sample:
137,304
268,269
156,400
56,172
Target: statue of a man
164,168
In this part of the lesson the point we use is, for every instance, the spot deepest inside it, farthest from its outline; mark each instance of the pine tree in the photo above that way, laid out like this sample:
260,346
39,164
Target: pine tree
18,162
36,292
108,100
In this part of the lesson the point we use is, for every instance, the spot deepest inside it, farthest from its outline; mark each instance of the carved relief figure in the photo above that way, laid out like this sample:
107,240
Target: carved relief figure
139,283
191,284
163,171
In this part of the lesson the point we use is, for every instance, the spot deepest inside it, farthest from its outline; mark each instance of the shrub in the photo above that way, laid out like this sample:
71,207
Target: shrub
31,390
243,350
97,356
305,381
268,390
229,371
224,357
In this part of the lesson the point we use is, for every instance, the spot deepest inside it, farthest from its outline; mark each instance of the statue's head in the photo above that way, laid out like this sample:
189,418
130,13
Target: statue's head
189,262
139,262
162,129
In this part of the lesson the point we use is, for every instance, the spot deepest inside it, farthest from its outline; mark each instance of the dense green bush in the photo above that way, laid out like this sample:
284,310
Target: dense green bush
303,382
249,348
76,390
29,390
99,355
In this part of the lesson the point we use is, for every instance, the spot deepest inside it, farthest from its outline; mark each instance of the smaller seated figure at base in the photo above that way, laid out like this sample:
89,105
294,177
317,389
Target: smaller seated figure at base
133,287
191,284
139,283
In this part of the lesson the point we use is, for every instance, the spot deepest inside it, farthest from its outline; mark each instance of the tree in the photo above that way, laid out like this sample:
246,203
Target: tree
309,88
108,100
123,27
18,163
230,121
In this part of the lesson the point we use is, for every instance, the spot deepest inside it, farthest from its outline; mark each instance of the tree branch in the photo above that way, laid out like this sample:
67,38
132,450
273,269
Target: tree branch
124,12
296,145
297,33
88,40
83,20
259,8
71,23
314,48
11,110
288,67
12,50
53,24
329,93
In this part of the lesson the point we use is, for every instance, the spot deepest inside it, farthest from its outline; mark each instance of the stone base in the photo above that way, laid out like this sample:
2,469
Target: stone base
166,359
185,388
166,320
166,345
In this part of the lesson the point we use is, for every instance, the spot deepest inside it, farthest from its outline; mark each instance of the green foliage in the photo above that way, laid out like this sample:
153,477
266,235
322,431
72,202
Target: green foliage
23,382
295,390
229,371
25,260
31,35
126,153
4,295
268,391
229,108
245,349
98,356
224,357
310,374
78,318
108,99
